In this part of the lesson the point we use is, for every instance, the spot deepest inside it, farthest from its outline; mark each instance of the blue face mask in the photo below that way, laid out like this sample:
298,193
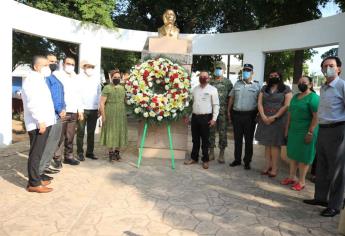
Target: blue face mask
218,72
246,75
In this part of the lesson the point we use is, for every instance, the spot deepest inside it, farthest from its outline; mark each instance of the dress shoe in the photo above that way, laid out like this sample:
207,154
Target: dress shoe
235,163
315,202
46,177
190,162
71,161
45,182
81,157
51,171
38,189
56,164
117,155
91,156
329,212
247,166
205,165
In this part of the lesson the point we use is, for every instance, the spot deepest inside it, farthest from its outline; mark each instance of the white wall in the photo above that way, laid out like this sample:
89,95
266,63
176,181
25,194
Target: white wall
252,44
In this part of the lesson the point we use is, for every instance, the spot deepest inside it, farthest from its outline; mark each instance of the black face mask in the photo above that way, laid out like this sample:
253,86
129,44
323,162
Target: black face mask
53,67
274,80
302,87
116,81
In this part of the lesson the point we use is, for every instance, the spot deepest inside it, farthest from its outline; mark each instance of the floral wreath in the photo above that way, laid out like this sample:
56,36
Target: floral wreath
158,90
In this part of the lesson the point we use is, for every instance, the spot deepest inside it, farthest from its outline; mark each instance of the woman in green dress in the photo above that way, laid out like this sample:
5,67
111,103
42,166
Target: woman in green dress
114,133
302,132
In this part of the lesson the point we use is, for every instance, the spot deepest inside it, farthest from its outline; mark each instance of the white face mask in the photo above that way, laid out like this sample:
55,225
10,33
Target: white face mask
69,69
89,71
330,72
45,71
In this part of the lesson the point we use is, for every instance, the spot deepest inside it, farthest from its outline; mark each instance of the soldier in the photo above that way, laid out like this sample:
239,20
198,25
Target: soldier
224,86
242,110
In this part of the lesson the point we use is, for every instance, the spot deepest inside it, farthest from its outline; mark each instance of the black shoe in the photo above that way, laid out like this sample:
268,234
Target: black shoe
91,156
329,212
117,155
247,166
46,177
315,202
50,171
235,163
71,161
56,164
81,157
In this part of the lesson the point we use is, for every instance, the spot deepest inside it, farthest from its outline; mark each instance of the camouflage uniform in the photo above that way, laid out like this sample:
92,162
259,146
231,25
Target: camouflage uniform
224,87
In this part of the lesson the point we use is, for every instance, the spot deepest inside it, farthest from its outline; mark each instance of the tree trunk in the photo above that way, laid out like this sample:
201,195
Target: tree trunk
298,65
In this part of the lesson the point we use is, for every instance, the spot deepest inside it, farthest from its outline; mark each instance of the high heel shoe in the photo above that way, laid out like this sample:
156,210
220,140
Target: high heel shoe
266,172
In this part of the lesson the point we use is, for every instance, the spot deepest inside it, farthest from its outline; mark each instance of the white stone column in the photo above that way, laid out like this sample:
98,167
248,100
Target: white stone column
257,59
91,51
6,84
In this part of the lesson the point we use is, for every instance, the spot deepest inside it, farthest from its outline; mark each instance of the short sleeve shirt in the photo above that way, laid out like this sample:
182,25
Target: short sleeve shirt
245,95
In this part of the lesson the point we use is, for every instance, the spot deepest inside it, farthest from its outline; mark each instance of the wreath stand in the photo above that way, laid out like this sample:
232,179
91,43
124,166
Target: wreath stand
143,138
168,140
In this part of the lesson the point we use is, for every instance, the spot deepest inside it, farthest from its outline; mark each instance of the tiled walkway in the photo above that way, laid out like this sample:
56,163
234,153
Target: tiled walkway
99,198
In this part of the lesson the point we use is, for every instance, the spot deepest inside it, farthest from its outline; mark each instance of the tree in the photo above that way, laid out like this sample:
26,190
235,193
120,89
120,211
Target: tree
96,11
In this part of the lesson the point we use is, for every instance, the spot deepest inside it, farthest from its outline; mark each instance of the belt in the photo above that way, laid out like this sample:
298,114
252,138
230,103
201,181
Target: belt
332,125
245,112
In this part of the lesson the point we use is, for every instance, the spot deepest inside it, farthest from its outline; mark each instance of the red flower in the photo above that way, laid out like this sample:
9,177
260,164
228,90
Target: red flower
161,113
175,67
175,85
146,73
135,91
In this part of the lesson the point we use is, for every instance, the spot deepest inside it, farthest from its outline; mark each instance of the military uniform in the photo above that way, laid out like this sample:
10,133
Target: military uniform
243,115
224,87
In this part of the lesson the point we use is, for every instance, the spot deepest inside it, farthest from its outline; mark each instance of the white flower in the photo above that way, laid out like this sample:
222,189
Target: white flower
158,81
129,102
174,115
173,111
137,110
166,87
135,83
152,114
150,84
159,118
153,105
181,85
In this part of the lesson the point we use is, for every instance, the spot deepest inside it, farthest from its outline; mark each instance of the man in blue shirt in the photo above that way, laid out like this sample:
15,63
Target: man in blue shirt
330,172
57,93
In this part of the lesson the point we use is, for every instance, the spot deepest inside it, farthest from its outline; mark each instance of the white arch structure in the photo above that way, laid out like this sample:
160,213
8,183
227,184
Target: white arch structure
91,38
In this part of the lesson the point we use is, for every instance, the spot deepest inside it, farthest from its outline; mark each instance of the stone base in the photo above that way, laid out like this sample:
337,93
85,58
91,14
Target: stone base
163,153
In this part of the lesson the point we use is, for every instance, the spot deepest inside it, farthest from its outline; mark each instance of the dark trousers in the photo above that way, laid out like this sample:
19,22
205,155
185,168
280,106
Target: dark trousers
243,125
90,120
67,137
37,144
200,130
330,170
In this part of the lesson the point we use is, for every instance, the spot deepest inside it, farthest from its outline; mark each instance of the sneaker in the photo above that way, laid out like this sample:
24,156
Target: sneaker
71,161
81,157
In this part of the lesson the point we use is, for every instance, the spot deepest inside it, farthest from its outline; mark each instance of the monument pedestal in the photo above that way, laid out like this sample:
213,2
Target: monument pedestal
157,141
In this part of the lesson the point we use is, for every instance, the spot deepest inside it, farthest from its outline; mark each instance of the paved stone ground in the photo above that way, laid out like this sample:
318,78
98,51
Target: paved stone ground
99,198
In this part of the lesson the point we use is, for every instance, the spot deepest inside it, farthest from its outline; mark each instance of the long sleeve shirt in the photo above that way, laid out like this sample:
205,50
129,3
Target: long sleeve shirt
206,101
57,94
37,102
72,91
90,91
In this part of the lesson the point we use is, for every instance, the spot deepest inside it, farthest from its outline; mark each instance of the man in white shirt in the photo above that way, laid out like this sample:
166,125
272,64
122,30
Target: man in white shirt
90,94
205,113
74,111
39,116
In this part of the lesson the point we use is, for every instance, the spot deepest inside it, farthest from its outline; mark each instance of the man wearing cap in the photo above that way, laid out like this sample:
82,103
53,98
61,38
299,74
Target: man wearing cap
90,94
223,86
242,111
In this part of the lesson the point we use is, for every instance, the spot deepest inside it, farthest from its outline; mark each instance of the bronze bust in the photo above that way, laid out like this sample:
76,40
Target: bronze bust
169,29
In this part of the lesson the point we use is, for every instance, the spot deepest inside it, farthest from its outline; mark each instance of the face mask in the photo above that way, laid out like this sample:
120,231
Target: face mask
203,80
246,75
89,71
330,72
53,67
116,81
69,69
274,80
45,71
302,87
218,72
